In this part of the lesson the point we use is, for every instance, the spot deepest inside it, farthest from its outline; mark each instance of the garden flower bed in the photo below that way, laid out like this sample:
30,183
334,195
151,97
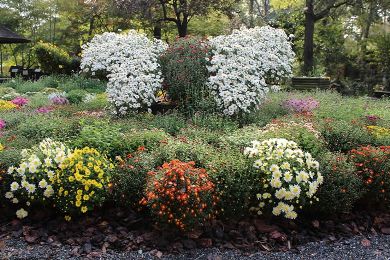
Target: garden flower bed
76,175
236,163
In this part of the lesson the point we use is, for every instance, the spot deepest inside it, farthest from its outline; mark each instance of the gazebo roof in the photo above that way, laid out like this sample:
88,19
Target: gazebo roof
8,36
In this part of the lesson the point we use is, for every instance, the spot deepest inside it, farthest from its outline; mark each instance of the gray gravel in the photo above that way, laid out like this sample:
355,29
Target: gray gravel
346,249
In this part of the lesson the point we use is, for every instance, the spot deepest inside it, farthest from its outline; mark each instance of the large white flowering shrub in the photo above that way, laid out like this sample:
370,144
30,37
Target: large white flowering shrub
34,177
291,177
131,63
244,64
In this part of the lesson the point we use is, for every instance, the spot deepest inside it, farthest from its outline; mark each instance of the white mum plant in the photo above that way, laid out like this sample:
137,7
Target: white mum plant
34,177
245,63
291,177
131,62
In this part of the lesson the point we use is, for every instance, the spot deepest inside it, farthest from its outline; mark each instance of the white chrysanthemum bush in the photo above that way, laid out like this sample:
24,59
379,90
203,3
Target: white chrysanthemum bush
33,179
244,64
290,176
131,63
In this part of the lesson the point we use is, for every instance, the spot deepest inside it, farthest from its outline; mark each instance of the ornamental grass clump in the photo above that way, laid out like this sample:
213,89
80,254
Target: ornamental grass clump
82,181
373,166
180,195
34,178
290,177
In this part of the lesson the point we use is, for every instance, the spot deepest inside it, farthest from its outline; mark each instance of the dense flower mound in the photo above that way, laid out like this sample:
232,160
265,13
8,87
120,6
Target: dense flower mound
373,165
34,178
82,181
7,105
181,195
303,105
131,61
291,177
20,101
379,132
244,64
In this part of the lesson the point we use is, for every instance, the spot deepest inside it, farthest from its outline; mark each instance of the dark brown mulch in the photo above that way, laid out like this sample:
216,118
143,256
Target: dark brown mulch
130,231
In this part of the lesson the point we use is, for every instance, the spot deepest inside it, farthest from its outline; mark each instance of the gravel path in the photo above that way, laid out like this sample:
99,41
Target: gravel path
353,248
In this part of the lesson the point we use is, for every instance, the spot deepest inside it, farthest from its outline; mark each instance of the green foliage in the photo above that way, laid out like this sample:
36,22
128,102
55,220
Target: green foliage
185,72
214,122
129,178
344,136
38,127
150,139
52,59
341,189
236,182
183,150
100,135
170,123
76,96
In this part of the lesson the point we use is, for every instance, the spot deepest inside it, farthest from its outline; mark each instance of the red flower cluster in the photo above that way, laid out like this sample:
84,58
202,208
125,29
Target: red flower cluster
373,166
180,194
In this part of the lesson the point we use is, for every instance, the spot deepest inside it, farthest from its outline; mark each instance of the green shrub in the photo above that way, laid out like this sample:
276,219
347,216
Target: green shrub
52,59
129,178
341,188
79,82
203,135
243,137
214,122
344,136
236,182
185,72
183,150
38,127
99,102
76,96
101,135
170,123
150,139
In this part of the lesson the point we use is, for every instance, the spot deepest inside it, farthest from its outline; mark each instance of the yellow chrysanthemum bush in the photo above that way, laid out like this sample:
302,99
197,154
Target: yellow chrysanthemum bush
82,181
290,177
32,180
6,105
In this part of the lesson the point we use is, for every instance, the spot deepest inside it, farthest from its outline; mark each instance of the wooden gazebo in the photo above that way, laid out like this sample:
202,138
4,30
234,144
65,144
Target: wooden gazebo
7,37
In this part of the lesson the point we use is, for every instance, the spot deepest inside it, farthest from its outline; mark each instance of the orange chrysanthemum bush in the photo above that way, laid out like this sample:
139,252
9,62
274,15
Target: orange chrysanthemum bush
181,195
373,165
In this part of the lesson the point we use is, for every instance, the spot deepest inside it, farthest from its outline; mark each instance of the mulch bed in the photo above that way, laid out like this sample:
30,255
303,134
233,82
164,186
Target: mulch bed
115,229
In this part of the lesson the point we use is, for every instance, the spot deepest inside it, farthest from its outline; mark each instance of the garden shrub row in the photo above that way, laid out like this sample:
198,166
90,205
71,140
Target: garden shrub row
200,170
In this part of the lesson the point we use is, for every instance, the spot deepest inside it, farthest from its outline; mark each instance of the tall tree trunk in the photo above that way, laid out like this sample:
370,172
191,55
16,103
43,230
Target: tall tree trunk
267,8
157,31
251,13
182,27
308,56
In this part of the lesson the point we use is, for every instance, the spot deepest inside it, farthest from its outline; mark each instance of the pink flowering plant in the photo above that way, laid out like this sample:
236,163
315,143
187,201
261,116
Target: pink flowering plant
2,124
20,101
303,105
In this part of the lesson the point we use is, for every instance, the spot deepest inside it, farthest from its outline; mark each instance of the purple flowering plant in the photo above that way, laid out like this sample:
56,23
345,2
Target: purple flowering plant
20,101
302,105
